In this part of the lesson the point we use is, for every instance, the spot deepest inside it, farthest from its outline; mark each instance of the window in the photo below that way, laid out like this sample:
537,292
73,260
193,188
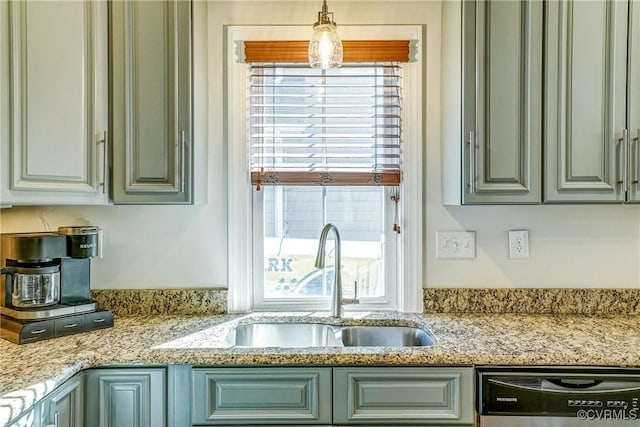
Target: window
323,147
323,143
290,222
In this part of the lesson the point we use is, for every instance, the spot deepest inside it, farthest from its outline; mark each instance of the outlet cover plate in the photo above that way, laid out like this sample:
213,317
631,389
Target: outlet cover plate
518,244
455,244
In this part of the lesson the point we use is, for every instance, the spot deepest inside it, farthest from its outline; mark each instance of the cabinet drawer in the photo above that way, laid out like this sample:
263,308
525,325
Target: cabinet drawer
69,325
403,395
37,331
261,396
98,319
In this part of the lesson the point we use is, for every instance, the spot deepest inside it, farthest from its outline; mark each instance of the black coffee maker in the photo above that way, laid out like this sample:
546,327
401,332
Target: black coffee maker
46,282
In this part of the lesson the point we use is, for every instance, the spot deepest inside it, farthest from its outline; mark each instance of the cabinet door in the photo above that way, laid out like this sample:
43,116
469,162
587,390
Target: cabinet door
126,397
280,396
391,396
634,99
65,407
151,101
54,112
502,101
586,49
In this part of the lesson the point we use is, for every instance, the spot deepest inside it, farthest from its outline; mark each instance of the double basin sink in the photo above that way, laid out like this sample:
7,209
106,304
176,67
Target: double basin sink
323,335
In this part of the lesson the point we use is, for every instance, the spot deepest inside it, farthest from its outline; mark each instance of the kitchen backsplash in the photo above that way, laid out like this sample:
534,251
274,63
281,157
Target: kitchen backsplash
213,301
533,301
124,302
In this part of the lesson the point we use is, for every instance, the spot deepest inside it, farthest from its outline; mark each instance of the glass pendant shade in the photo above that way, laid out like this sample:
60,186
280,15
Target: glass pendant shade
325,47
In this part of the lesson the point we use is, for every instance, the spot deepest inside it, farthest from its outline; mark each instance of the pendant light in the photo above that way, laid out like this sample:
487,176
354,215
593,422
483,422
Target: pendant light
325,47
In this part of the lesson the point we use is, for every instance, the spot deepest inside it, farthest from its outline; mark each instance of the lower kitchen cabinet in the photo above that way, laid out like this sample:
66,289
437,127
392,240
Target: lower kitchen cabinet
126,397
183,396
65,406
258,396
392,396
380,396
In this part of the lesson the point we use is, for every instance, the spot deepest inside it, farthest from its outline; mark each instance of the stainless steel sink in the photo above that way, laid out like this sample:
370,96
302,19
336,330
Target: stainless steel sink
384,336
321,335
283,335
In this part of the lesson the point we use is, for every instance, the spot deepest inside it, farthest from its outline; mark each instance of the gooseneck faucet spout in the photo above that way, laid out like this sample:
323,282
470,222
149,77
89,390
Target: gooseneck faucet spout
336,295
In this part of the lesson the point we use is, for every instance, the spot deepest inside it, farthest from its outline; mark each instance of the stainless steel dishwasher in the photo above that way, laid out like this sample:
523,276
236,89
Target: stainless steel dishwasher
558,397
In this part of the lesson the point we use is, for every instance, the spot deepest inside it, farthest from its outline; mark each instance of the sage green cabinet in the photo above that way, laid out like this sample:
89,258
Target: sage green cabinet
633,98
65,406
407,396
126,397
502,101
182,395
53,109
258,396
382,396
151,101
571,128
587,140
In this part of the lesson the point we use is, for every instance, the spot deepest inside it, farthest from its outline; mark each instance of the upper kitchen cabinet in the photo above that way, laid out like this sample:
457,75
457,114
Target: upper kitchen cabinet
53,109
151,102
492,75
588,148
633,99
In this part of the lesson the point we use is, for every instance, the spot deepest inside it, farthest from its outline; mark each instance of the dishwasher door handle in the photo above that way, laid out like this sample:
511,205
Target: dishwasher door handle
561,385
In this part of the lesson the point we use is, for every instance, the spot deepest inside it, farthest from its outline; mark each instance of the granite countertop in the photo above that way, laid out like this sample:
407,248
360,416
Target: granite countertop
31,371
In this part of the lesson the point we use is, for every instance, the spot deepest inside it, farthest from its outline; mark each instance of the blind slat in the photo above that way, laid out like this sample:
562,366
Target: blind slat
320,116
278,146
325,126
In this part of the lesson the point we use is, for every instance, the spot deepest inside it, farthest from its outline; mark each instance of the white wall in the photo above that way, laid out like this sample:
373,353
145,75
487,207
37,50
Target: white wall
185,246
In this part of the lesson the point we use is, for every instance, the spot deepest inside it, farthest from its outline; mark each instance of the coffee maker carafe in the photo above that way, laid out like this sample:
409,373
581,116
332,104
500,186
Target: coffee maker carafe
45,282
31,270
29,287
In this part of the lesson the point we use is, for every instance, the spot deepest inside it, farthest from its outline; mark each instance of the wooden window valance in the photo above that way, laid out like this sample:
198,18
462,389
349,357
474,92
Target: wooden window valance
353,51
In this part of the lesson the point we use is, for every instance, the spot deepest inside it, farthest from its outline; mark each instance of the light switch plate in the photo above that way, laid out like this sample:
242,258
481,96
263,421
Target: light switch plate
455,244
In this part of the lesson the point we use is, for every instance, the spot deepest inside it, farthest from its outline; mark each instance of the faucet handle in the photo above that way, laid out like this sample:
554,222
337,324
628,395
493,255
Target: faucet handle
353,300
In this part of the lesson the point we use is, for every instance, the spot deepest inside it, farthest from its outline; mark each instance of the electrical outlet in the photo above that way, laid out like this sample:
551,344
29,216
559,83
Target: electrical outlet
518,244
455,244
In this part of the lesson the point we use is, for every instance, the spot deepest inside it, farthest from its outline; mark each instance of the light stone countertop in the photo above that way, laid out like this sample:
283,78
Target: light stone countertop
31,371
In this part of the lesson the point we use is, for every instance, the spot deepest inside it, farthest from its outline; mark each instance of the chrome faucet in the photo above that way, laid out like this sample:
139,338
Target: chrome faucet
336,297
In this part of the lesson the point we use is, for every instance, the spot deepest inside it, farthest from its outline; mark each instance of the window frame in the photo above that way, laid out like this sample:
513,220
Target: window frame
240,236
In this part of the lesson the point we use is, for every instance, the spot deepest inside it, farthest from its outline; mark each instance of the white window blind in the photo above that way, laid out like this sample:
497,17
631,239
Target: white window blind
325,127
